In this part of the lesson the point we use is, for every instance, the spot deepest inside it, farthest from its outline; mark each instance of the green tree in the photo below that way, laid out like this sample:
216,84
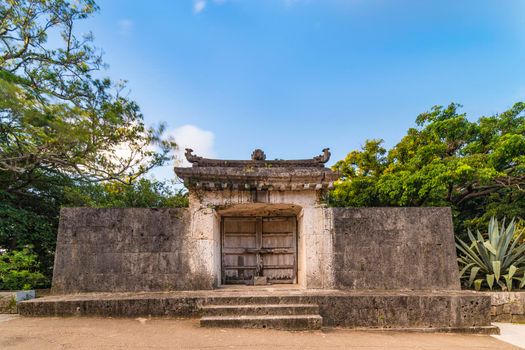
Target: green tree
20,270
63,126
143,193
56,116
475,167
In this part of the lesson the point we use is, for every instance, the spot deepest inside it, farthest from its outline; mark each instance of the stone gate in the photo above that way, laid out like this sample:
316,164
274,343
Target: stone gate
256,224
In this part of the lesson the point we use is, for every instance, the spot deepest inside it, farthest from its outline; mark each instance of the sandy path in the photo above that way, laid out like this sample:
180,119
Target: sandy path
106,333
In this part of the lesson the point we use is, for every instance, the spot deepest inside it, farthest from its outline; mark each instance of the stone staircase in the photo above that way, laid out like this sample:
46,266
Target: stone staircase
260,312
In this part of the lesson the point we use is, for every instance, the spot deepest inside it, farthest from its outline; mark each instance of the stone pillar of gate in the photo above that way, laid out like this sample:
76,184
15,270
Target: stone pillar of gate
204,253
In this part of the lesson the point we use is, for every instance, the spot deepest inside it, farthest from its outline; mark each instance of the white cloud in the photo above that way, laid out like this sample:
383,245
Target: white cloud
125,26
190,136
187,136
199,5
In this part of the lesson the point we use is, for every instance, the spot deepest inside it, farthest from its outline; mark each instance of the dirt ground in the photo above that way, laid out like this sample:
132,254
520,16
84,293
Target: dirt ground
128,334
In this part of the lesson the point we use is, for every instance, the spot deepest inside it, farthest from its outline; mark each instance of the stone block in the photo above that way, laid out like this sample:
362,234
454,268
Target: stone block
394,248
260,280
108,250
8,303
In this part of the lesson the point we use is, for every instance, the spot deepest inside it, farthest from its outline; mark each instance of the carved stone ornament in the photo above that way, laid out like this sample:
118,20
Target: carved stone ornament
191,157
325,157
258,154
259,160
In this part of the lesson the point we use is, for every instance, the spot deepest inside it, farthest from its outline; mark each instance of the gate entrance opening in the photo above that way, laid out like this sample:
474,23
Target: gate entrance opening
259,250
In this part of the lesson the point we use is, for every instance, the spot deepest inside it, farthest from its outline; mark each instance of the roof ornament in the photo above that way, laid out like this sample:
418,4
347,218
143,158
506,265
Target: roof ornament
258,154
258,159
325,157
191,157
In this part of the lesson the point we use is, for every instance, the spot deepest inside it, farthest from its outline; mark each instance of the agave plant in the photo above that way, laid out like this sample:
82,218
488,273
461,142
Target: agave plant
498,258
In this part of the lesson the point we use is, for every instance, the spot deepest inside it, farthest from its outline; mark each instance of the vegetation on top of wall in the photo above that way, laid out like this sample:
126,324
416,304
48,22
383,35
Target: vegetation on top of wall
494,259
475,167
143,193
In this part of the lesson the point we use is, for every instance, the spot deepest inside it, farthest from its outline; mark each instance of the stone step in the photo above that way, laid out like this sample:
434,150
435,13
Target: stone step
288,322
260,309
257,300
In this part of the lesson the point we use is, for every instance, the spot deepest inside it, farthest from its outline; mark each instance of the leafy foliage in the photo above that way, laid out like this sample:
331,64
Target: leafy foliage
498,258
55,115
19,269
68,136
477,168
143,193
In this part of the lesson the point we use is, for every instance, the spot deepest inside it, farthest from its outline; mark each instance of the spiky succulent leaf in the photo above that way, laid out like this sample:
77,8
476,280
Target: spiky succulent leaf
469,252
477,284
490,281
473,273
522,281
512,271
508,282
496,268
462,272
490,247
494,232
484,254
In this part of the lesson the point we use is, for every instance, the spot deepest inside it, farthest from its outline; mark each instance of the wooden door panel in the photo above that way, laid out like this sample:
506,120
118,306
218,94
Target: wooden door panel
231,241
238,235
279,238
240,260
279,224
281,241
239,225
271,241
278,260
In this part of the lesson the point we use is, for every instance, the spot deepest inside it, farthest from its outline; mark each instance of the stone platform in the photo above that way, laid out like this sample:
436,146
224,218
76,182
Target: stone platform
438,311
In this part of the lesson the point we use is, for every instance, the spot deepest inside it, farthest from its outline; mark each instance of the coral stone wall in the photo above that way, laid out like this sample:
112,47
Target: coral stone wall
394,248
125,250
507,306
109,250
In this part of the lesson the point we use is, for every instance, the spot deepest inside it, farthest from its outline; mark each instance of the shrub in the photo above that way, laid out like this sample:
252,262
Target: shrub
19,269
498,259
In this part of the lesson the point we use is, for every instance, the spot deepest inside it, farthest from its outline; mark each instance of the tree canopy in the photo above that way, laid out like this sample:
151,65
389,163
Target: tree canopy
476,167
68,135
57,115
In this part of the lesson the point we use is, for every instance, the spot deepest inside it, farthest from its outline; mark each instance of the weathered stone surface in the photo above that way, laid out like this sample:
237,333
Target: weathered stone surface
257,173
8,303
394,248
433,310
179,249
507,306
245,314
300,322
260,309
125,250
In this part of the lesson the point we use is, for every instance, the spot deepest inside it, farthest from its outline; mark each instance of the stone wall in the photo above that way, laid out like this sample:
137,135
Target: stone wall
422,310
507,306
109,250
394,248
8,303
126,250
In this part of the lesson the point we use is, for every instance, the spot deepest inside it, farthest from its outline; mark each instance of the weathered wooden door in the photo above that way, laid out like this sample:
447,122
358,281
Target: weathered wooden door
259,246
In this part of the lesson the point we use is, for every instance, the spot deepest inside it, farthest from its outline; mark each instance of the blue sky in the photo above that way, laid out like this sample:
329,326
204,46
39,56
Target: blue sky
295,76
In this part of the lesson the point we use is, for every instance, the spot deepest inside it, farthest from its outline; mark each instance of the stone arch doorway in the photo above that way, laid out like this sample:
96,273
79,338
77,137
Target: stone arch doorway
259,244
